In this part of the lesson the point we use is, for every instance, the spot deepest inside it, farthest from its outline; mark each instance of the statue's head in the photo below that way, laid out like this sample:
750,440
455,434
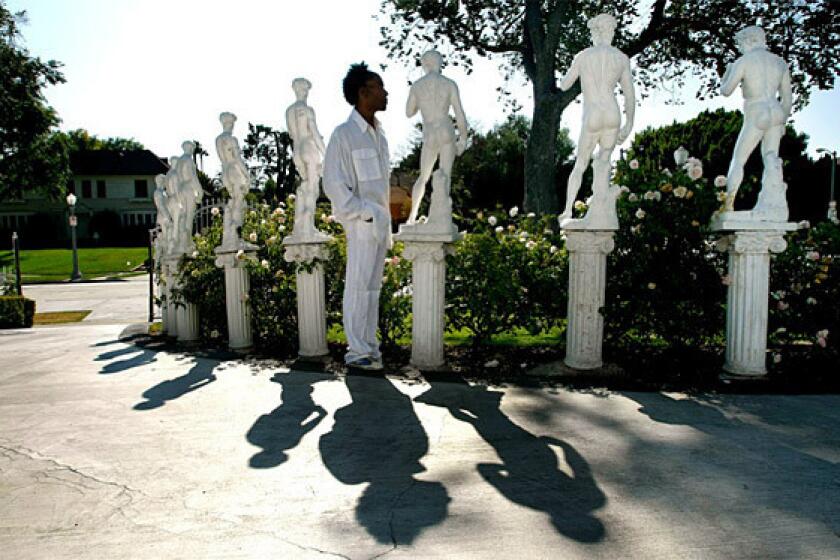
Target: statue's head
173,160
227,120
431,61
602,29
301,87
750,38
188,146
160,181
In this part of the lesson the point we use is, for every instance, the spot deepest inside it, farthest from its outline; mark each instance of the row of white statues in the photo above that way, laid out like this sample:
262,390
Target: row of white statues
763,77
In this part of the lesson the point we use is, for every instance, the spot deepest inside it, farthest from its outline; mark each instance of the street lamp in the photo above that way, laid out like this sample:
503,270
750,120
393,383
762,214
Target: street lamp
832,204
71,203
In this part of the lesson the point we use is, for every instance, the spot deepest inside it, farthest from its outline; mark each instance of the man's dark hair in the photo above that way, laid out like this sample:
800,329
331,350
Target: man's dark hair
356,78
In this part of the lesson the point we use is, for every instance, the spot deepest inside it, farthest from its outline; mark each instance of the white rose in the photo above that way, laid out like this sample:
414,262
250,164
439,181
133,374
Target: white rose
531,244
580,205
640,213
514,211
492,220
531,215
632,197
265,264
680,192
214,211
720,181
634,164
651,286
695,172
499,229
553,249
253,237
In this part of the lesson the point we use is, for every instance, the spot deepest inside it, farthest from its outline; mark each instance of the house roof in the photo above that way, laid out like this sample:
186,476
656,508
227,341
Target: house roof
116,162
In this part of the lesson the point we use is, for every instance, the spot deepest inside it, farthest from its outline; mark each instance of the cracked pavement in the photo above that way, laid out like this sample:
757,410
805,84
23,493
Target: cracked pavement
112,450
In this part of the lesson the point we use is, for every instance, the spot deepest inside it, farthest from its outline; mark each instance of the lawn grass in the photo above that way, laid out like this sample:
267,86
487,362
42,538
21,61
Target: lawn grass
57,317
51,265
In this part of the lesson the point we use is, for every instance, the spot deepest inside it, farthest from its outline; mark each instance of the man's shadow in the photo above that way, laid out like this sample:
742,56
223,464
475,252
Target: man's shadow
285,426
377,439
200,374
529,474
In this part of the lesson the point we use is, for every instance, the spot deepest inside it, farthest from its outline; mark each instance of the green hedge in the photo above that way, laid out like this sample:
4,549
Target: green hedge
16,312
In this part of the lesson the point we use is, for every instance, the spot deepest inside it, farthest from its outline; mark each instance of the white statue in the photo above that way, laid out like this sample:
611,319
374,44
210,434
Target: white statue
175,205
236,180
765,83
433,95
600,68
190,191
308,156
163,243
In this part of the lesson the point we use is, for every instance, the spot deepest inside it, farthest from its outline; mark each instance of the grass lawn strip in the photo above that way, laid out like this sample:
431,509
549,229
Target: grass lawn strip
56,317
50,265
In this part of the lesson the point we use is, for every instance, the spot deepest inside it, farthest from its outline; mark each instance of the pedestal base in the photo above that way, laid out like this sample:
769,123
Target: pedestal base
311,299
747,297
237,287
187,322
588,252
428,268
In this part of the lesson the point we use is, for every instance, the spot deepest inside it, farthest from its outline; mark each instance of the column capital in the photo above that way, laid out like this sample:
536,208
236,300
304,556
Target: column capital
427,250
305,252
752,242
590,241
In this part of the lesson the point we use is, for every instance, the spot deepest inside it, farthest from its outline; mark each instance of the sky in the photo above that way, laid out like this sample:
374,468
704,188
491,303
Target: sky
161,71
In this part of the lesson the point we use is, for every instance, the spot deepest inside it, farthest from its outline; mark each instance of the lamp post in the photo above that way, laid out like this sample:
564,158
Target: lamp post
832,204
71,203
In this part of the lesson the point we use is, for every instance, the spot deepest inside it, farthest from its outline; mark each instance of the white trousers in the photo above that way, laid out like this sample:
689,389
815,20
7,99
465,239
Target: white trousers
362,284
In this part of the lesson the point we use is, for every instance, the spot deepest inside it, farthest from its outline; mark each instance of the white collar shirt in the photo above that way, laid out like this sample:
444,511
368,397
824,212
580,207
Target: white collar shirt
357,171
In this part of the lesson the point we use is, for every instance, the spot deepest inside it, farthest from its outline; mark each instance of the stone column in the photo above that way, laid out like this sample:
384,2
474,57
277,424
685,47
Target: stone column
311,298
237,287
747,297
170,311
427,253
588,250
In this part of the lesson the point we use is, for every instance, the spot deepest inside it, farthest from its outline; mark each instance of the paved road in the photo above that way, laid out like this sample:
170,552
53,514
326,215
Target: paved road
119,301
114,450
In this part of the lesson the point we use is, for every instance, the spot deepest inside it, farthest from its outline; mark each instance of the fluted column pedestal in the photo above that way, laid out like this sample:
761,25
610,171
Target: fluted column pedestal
588,250
237,288
749,249
311,298
427,254
169,311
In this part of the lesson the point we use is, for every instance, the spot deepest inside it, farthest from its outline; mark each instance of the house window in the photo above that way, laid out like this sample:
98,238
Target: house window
71,187
86,189
100,189
141,188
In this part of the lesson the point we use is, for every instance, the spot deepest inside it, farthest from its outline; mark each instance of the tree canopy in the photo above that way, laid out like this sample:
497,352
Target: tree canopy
31,158
268,153
668,41
80,140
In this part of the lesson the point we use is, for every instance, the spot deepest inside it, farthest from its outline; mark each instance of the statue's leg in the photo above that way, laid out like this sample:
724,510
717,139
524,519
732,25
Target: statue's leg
748,139
770,142
606,145
428,155
586,144
447,160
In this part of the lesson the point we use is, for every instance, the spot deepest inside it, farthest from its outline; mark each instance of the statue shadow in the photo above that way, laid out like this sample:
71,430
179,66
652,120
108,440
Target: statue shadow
139,356
529,473
378,439
199,375
284,427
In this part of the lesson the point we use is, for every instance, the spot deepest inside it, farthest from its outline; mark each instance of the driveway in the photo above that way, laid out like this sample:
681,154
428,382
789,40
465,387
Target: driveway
110,302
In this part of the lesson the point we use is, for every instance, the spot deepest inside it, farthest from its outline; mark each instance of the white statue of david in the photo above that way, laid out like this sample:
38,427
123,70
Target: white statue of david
236,180
308,156
600,68
765,83
433,95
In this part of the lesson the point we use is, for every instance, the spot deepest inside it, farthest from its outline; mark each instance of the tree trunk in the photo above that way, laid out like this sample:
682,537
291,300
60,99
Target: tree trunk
540,155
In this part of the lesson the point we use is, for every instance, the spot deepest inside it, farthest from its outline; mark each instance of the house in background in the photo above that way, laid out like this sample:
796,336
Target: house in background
115,205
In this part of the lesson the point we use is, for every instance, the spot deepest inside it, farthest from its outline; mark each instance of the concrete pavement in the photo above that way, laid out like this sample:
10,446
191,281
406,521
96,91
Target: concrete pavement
113,301
109,449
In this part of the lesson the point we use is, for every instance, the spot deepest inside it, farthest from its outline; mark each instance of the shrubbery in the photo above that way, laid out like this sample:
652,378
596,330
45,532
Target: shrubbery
666,289
16,312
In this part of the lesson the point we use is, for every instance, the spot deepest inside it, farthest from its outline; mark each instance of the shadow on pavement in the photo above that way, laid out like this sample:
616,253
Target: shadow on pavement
378,439
529,474
773,460
200,374
284,427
